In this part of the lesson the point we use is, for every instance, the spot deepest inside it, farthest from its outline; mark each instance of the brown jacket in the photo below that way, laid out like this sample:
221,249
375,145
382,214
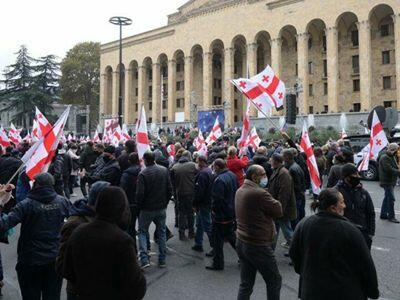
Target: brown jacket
255,209
281,188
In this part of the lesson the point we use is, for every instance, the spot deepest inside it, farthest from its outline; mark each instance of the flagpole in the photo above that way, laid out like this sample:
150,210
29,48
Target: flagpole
16,172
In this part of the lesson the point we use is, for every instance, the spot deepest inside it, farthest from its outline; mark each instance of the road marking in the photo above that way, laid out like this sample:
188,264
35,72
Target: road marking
397,212
381,249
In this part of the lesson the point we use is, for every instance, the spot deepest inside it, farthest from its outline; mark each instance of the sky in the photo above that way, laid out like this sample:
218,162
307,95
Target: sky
55,26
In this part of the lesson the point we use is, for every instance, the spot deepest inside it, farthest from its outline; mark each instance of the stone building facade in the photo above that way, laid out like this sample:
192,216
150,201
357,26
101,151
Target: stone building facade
342,52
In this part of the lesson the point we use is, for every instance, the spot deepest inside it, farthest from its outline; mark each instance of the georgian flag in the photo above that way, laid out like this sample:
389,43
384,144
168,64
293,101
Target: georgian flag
253,139
4,140
142,138
125,134
245,127
13,135
306,147
215,133
253,92
377,142
200,144
44,124
270,84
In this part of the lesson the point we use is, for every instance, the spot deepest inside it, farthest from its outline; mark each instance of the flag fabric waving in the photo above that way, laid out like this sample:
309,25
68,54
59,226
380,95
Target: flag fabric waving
245,127
39,159
270,84
142,138
215,133
377,142
253,92
4,140
306,147
125,134
200,144
44,125
13,135
253,139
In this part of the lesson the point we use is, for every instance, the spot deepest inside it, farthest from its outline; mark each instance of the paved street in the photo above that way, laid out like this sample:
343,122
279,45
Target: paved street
186,278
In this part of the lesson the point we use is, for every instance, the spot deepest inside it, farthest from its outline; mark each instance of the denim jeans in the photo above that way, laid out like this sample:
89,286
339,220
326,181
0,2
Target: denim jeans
203,225
258,258
301,211
145,219
387,210
287,230
39,282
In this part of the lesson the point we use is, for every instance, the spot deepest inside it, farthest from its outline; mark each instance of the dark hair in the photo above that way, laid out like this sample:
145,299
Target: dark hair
73,146
288,153
253,170
276,157
90,144
130,146
220,163
326,198
149,158
202,158
133,159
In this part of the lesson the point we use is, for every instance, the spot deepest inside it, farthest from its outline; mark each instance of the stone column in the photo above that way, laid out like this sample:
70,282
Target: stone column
364,38
252,69
141,88
229,92
276,55
332,57
127,105
115,88
302,61
396,20
156,99
207,80
188,86
171,90
103,96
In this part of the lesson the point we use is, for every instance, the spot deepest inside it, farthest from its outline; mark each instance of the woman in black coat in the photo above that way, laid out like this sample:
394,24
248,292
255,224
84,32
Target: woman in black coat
331,256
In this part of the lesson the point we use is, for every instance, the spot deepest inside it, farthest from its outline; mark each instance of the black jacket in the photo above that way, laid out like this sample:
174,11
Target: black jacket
223,192
359,207
298,177
100,262
388,169
41,216
57,168
263,161
109,171
154,189
129,182
87,158
202,188
333,260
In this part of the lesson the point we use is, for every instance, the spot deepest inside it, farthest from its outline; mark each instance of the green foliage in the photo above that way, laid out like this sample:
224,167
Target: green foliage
27,85
80,78
321,135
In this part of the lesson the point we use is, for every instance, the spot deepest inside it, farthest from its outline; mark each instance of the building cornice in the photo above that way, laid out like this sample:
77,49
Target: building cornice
279,3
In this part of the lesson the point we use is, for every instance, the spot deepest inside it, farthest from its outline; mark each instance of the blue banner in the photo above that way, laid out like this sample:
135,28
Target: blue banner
206,119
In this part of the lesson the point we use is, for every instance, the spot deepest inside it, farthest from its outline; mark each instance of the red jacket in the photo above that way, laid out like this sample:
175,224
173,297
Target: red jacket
237,166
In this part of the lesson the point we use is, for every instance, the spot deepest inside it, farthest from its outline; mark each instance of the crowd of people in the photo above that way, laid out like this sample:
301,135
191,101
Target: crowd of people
100,244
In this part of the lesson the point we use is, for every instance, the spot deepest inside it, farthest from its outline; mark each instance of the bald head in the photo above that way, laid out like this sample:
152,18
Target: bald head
254,172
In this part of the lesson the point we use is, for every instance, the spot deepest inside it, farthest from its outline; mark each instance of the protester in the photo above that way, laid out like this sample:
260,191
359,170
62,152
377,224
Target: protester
255,210
223,192
261,158
282,189
237,165
86,160
56,169
359,206
72,153
331,256
183,175
41,216
110,171
123,159
99,258
335,174
388,174
153,193
202,203
81,212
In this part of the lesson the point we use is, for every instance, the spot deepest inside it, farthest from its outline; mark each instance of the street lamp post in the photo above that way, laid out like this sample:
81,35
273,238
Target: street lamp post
120,21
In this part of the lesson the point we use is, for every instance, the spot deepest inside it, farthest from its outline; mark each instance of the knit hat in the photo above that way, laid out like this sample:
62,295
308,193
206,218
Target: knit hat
392,147
44,179
95,190
111,204
109,149
348,169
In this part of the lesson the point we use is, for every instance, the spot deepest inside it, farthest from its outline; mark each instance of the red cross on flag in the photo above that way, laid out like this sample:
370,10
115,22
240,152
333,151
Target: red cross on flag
253,139
13,135
215,133
142,138
377,142
253,92
270,84
117,136
4,140
39,157
306,147
241,142
200,144
125,134
27,137
44,124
